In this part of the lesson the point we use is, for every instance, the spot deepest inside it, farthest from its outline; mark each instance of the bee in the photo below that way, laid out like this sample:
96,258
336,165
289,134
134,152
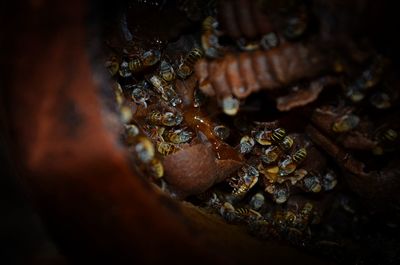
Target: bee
242,211
380,100
171,96
214,201
221,131
156,168
150,58
307,209
257,201
125,113
274,152
166,71
209,37
271,154
140,94
131,131
263,137
227,211
147,59
290,217
270,173
144,149
166,90
135,65
298,175
385,139
278,135
154,132
112,66
269,188
246,144
248,212
279,217
354,93
369,78
118,93
389,135
289,165
372,76
299,155
159,84
246,45
248,177
305,215
249,171
345,123
269,41
209,24
329,180
230,105
280,194
312,183
155,117
164,119
286,167
286,143
185,69
166,148
296,26
178,136
124,70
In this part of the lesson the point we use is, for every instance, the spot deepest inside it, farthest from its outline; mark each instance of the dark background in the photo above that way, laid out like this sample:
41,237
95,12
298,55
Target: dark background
23,238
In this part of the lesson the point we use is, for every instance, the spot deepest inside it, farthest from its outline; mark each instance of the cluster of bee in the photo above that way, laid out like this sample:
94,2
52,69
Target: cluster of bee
276,161
213,49
153,114
210,42
368,80
185,68
370,88
155,127
157,71
161,128
209,38
144,151
149,106
387,139
267,220
345,123
369,83
260,193
216,44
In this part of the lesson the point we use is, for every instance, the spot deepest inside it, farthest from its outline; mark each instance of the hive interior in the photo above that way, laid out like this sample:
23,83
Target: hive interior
246,160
